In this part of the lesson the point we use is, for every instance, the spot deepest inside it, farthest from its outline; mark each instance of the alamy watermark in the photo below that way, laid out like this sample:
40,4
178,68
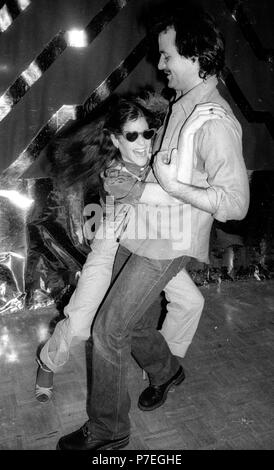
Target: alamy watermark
139,222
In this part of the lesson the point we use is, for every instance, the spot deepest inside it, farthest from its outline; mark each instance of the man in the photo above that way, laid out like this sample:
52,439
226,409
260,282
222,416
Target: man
192,56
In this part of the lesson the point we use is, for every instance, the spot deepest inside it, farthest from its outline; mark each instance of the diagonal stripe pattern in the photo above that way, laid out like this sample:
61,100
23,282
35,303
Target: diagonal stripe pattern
66,113
249,113
238,14
51,52
9,12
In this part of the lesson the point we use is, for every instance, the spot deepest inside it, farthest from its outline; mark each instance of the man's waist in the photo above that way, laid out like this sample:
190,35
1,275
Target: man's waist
170,231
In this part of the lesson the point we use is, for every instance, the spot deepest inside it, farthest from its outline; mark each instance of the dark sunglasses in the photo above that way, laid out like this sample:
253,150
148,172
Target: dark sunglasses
132,136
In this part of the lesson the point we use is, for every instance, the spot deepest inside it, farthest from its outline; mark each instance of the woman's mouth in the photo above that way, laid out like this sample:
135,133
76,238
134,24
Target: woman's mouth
141,153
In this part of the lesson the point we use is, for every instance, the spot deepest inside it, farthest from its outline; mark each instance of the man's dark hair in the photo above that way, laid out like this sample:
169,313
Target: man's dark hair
197,36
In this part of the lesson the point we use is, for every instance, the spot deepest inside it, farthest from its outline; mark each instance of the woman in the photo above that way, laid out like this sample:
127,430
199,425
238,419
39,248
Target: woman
121,143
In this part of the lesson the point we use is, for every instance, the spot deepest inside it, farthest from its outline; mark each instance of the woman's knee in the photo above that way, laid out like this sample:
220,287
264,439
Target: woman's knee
199,300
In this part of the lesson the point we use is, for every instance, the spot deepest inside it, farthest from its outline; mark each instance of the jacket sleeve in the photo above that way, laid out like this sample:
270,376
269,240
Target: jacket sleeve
220,147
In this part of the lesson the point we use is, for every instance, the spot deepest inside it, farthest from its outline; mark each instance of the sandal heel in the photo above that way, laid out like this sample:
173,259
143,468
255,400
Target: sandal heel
42,394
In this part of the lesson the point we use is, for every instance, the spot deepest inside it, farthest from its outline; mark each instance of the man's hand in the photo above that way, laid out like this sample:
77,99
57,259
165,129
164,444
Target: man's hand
201,114
165,170
174,173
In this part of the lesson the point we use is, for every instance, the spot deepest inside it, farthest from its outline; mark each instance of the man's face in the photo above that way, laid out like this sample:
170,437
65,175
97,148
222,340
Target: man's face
182,73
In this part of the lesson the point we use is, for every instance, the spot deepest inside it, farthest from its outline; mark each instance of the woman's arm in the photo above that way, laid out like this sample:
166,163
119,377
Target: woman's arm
127,189
154,194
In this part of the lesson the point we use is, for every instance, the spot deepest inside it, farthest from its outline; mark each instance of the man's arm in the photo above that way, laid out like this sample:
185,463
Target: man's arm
227,194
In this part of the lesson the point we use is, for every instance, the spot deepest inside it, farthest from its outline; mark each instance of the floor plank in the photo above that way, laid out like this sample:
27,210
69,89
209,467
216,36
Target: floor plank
226,401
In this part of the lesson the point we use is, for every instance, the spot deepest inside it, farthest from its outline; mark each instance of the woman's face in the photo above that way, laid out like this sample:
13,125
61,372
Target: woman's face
138,151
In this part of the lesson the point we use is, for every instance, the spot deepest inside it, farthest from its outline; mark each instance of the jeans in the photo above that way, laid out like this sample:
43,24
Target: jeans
121,327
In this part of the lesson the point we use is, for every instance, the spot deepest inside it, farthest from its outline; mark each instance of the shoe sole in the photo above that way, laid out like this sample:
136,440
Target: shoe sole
115,445
177,381
110,446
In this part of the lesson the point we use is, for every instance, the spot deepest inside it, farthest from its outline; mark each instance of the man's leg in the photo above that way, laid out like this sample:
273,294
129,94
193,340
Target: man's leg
184,309
136,287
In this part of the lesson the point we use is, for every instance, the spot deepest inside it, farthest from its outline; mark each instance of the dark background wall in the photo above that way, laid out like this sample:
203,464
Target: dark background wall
73,75
40,75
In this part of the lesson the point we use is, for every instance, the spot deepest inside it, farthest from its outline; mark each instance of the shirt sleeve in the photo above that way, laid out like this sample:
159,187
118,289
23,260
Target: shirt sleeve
220,147
124,187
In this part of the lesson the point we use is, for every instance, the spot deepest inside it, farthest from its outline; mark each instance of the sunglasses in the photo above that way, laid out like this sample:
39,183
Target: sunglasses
132,136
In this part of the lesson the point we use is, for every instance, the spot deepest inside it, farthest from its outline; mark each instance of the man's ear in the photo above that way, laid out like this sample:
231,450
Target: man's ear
115,141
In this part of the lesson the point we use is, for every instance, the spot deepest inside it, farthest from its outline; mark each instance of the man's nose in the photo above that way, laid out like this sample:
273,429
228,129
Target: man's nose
161,64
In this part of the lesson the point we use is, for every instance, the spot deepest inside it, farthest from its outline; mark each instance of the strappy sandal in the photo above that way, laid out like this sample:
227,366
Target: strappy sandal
42,394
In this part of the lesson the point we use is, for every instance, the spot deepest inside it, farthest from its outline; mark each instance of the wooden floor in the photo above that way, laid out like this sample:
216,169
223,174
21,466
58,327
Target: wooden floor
226,401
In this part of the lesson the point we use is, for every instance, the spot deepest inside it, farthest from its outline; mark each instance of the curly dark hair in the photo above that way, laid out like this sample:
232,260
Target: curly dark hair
84,154
197,36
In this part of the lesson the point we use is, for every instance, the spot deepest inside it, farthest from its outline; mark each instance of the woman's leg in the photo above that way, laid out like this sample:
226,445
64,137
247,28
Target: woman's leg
80,312
184,309
83,305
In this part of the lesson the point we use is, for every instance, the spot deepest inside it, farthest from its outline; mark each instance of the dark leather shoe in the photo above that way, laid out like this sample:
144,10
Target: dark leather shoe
82,439
155,395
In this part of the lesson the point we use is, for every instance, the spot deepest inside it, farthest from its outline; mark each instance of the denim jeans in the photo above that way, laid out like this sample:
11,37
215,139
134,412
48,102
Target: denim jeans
122,327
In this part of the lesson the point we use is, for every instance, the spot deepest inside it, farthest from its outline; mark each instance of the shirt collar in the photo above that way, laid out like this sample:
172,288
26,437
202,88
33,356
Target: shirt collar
196,95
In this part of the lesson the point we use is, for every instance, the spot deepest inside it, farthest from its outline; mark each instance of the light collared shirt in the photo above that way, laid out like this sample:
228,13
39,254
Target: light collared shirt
218,166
